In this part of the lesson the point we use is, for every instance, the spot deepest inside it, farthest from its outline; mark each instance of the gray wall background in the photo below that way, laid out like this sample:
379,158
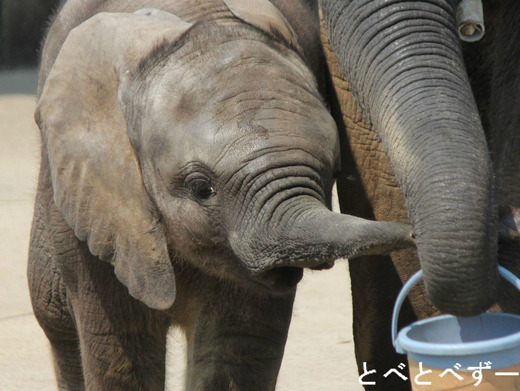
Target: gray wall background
22,26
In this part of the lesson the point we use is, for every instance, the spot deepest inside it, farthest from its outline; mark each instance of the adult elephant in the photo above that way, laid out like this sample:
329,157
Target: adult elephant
430,134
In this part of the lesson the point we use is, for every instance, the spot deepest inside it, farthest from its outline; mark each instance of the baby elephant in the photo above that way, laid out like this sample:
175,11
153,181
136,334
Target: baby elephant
186,174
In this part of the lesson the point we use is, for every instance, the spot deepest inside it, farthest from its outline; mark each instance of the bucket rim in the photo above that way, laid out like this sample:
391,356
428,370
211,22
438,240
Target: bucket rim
409,345
504,273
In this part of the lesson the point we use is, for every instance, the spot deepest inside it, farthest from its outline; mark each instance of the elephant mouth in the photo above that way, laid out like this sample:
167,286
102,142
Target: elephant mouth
283,279
280,280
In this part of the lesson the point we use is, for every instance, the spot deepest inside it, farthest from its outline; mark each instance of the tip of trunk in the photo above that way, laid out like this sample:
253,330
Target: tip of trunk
461,277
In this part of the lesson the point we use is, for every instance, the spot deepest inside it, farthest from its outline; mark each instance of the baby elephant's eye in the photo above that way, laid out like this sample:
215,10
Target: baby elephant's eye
201,189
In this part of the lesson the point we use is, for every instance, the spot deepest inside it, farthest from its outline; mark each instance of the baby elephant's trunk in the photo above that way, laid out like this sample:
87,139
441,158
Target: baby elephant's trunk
317,236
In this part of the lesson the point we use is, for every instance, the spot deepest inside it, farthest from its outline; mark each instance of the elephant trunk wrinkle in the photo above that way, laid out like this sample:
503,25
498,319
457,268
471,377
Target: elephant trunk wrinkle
314,237
262,194
411,80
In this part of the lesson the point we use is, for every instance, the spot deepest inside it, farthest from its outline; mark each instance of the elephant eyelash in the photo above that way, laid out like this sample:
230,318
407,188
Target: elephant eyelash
197,181
195,169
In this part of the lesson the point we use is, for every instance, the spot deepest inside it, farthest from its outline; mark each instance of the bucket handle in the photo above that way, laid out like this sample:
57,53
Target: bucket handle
504,273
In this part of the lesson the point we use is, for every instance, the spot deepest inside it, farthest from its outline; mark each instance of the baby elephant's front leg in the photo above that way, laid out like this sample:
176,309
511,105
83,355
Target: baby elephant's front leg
238,342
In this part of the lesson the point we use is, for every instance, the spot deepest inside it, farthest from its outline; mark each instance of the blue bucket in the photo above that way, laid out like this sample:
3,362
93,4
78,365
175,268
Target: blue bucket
489,340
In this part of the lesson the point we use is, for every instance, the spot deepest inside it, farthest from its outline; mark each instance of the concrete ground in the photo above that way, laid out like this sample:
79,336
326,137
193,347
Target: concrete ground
319,352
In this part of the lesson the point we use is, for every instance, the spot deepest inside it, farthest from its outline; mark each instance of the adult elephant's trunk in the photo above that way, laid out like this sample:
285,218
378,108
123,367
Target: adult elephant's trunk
405,62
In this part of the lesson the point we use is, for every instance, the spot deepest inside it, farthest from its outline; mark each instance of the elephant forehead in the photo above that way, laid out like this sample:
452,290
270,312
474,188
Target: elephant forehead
218,132
272,136
233,148
185,141
235,73
234,102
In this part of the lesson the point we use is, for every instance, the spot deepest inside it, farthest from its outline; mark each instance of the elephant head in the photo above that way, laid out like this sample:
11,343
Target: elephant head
404,62
171,143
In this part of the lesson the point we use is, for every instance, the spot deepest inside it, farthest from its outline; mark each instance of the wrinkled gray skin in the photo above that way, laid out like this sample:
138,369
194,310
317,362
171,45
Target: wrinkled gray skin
187,166
430,134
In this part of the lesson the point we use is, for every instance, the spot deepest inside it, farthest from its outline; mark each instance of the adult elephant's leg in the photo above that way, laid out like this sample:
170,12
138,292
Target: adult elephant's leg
498,59
367,187
375,280
123,342
238,339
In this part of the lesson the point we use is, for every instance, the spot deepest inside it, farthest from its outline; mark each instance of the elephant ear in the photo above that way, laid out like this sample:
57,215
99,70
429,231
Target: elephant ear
95,173
265,16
